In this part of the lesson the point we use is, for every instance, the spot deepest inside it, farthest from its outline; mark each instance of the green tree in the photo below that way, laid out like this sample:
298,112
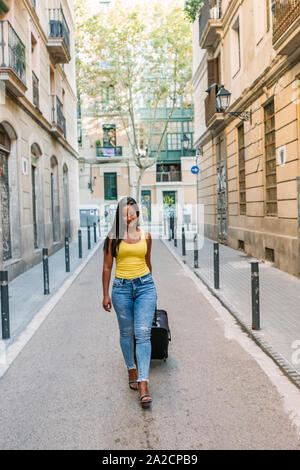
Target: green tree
192,9
143,49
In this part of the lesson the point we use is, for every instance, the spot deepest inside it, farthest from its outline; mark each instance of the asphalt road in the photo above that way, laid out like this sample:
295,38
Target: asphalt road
68,388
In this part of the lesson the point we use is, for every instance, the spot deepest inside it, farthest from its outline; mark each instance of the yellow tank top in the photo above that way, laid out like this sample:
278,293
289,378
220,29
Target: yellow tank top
130,260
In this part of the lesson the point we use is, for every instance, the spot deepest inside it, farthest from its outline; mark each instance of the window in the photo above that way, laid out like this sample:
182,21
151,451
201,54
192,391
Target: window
242,177
174,141
104,103
104,4
109,135
188,126
155,140
110,185
168,172
235,49
270,160
174,126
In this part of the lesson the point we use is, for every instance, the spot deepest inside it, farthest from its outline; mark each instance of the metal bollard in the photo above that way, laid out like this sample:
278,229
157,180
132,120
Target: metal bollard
4,305
79,244
160,222
175,231
255,296
172,225
183,242
196,250
46,271
67,254
89,237
95,234
216,266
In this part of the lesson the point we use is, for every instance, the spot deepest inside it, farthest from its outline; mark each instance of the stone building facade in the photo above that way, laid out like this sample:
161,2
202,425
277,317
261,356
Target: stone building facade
249,165
38,131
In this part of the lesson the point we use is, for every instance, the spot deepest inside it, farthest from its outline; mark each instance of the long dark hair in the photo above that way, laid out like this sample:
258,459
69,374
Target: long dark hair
118,228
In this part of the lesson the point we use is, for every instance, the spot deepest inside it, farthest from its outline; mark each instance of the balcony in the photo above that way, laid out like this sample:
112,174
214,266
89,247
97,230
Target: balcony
57,118
210,24
105,152
148,114
168,176
213,119
12,60
35,90
286,26
58,37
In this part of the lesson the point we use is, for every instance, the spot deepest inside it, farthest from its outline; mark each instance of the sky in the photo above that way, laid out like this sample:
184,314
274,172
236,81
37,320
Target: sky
95,4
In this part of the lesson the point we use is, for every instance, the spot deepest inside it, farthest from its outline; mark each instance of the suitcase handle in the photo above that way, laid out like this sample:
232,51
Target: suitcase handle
155,315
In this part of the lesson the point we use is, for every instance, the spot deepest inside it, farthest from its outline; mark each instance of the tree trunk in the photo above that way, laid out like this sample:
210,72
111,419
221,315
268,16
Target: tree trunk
138,186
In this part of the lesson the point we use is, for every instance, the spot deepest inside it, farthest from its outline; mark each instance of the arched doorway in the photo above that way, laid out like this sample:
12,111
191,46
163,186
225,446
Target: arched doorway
37,205
66,201
55,209
5,146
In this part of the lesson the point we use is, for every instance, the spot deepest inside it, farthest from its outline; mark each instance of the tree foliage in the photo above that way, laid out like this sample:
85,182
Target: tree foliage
143,50
192,9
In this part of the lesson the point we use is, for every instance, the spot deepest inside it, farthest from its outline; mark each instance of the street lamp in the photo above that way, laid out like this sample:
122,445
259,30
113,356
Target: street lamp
222,104
185,142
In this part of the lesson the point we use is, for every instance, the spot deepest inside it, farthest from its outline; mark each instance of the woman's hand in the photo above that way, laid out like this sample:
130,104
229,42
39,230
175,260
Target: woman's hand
106,303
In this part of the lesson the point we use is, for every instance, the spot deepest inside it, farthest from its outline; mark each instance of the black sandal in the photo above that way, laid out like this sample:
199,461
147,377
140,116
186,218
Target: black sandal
133,382
145,403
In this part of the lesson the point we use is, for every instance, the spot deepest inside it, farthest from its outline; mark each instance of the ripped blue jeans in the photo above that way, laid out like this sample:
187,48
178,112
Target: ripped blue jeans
134,301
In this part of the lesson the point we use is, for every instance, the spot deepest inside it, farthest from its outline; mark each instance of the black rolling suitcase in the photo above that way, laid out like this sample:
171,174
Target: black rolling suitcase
160,335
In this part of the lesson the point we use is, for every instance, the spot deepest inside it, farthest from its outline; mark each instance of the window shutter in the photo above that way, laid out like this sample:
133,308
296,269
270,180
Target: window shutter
213,71
110,185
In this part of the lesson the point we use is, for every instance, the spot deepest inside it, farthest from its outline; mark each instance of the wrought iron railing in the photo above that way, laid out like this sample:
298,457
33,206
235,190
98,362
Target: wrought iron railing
57,113
211,10
35,89
109,151
285,13
166,176
12,50
58,27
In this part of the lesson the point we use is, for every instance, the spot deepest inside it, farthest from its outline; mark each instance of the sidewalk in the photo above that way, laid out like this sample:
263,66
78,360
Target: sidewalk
279,299
26,292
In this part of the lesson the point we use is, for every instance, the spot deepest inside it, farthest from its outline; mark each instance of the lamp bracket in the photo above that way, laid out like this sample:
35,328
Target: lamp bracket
243,115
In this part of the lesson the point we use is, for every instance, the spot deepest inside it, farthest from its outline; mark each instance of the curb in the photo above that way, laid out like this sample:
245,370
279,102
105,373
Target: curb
279,360
9,354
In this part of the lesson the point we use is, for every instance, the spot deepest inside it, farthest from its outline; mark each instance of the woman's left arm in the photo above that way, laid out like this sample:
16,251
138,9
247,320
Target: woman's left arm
148,254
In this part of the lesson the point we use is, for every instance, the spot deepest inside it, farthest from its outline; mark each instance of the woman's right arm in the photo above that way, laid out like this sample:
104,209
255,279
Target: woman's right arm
106,273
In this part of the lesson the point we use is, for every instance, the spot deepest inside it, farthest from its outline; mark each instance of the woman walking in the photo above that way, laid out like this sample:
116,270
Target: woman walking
133,293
